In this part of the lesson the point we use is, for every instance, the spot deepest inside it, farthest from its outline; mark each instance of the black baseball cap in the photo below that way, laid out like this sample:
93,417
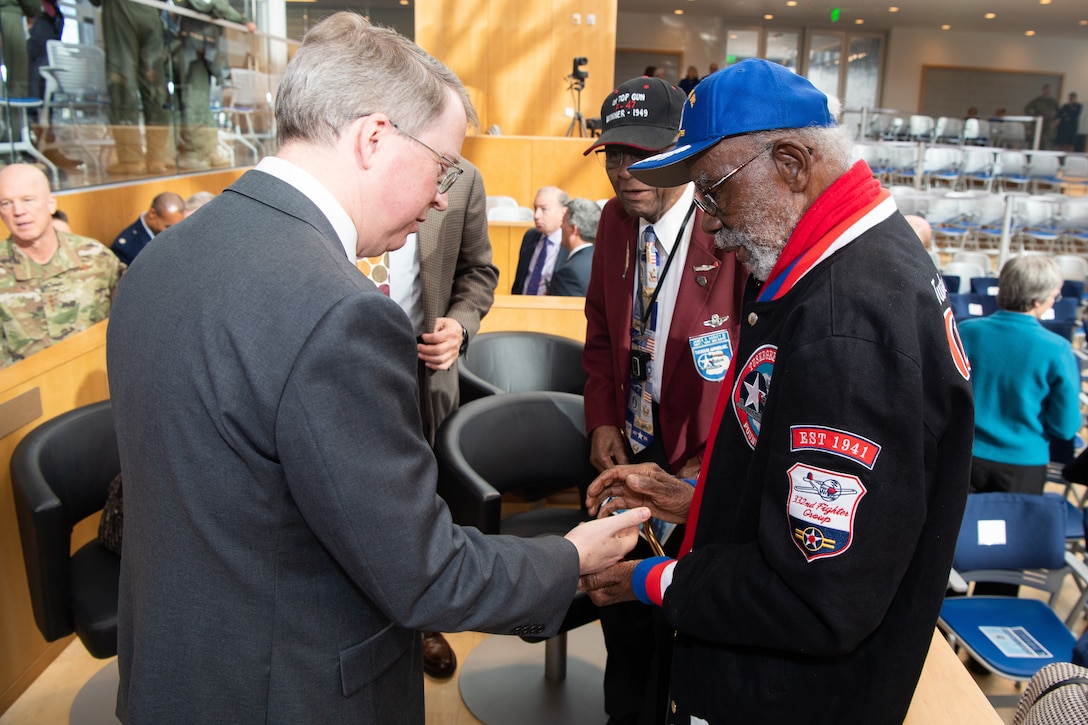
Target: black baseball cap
643,112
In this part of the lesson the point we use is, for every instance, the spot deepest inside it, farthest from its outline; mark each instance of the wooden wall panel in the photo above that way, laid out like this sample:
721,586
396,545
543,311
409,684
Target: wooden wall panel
514,57
555,315
519,165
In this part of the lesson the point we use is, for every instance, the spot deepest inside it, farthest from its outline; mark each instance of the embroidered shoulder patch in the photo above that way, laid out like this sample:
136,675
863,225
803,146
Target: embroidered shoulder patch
837,442
821,510
750,391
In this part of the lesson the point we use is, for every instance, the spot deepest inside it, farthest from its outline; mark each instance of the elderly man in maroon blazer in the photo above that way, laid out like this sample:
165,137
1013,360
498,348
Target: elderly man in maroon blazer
662,323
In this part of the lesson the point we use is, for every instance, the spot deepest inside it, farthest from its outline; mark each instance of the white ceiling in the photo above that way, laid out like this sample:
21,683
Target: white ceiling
1058,18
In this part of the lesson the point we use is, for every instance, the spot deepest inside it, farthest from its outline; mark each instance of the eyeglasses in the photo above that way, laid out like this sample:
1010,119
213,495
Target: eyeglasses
452,170
704,198
620,157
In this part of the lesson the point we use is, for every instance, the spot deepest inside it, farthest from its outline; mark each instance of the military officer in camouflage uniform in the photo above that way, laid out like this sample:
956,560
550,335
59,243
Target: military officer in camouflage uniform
196,62
136,78
51,283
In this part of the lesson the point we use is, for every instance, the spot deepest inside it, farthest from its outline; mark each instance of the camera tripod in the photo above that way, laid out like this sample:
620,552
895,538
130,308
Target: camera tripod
578,121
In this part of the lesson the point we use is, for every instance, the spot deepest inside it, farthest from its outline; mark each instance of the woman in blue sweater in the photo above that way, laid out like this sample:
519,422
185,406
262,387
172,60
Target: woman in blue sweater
1025,379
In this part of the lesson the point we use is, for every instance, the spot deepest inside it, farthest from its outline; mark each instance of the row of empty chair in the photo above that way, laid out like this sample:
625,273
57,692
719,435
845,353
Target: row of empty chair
981,220
945,129
961,168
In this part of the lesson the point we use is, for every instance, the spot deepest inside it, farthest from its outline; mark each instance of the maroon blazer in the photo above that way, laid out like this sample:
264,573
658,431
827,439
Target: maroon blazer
712,284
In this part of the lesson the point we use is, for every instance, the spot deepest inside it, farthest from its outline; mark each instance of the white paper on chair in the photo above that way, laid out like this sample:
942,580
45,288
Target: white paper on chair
1016,642
975,309
992,533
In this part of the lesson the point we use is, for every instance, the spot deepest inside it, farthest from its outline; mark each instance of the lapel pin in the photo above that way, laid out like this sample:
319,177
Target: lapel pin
716,320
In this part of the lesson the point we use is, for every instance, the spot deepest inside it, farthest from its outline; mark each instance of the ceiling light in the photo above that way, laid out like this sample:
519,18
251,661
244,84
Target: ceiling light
791,4
859,21
946,27
1083,22
990,16
678,11
893,9
768,16
1029,33
404,2
1044,2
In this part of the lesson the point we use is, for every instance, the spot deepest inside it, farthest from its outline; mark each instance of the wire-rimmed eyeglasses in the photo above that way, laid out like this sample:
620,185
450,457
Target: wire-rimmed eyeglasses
452,170
704,198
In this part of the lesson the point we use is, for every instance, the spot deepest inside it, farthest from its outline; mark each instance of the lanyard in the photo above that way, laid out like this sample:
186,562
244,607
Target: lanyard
665,269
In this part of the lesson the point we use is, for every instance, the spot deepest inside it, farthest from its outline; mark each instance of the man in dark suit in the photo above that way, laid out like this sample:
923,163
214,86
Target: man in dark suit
167,209
540,249
445,282
667,412
283,538
579,229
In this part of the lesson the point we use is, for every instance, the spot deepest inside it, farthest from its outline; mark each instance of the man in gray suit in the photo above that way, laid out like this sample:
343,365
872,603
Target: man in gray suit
283,539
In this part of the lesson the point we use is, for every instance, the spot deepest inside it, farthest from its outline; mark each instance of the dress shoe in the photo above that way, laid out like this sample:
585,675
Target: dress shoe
126,168
438,657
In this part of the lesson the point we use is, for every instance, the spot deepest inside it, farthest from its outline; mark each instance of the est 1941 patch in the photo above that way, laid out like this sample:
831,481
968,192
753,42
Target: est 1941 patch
821,510
837,442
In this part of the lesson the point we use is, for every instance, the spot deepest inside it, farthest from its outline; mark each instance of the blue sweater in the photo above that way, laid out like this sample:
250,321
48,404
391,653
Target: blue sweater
1026,383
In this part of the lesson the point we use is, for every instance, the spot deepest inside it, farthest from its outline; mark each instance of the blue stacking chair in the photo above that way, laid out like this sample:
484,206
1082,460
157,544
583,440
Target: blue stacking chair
968,305
1016,539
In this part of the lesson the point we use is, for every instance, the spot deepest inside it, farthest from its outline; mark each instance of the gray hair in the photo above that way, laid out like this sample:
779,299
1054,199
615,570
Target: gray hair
834,144
347,68
583,214
1025,280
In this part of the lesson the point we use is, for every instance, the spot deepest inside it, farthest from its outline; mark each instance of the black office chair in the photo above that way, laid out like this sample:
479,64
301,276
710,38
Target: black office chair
60,473
515,362
533,445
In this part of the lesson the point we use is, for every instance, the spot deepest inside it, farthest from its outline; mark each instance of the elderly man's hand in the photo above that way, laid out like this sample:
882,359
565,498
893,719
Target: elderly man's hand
607,447
643,484
611,585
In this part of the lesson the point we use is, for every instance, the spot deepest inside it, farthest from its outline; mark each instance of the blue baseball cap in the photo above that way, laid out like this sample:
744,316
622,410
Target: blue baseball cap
753,95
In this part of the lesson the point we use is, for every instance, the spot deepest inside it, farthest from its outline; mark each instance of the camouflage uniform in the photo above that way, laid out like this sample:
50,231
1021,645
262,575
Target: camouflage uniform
43,303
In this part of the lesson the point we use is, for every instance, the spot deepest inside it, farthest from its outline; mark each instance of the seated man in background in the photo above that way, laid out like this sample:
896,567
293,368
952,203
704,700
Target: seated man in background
167,209
52,283
540,247
579,229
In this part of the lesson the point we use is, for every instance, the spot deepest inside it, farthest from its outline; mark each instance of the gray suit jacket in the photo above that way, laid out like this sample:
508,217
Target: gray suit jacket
283,538
458,280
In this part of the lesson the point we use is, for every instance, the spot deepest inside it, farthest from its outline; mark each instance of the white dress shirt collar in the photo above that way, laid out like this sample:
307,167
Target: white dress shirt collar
316,192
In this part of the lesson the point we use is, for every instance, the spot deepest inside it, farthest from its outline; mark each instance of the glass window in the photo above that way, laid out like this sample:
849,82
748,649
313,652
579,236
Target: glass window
741,45
782,48
824,59
862,71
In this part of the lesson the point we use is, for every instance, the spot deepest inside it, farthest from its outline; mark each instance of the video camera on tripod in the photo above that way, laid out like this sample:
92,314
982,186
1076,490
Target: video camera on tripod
578,76
577,80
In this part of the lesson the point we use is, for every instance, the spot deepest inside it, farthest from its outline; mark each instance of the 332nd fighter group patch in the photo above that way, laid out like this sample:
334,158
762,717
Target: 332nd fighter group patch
821,510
